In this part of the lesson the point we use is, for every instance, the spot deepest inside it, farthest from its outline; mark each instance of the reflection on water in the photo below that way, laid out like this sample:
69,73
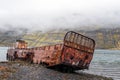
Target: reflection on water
105,62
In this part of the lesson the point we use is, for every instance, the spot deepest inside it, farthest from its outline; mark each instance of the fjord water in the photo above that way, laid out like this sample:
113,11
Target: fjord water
105,62
3,51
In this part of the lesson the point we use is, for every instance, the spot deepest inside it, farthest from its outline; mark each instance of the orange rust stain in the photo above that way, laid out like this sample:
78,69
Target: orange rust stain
2,68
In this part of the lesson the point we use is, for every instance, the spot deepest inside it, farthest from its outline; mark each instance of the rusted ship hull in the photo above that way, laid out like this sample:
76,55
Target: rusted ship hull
76,52
22,54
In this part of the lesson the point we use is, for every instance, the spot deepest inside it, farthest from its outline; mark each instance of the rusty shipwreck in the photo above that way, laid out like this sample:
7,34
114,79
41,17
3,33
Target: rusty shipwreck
75,53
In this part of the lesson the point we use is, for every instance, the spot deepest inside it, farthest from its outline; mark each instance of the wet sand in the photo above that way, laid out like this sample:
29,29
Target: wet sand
20,70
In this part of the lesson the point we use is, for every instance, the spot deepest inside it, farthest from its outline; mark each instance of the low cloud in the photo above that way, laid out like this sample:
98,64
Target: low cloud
61,14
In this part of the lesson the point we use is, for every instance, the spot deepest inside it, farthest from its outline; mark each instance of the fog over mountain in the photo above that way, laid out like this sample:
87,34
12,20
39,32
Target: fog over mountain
56,14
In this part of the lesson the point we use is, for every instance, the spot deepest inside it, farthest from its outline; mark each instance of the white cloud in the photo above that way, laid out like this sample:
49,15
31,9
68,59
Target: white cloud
58,13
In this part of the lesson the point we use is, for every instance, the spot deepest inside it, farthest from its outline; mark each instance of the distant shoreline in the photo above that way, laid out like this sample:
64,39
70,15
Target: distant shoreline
114,49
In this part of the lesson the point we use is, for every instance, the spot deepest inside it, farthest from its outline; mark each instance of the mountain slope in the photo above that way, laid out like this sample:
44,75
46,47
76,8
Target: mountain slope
105,38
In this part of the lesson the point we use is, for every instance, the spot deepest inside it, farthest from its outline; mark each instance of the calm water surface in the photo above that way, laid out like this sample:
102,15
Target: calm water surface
3,51
105,62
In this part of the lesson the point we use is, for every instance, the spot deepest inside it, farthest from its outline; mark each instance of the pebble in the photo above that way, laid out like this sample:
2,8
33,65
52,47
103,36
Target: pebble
38,72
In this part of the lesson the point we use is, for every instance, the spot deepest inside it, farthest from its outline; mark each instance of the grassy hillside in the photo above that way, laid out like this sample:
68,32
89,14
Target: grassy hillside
105,38
40,39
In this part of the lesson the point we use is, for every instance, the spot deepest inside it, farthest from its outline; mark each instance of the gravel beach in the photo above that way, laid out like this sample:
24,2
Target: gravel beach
20,70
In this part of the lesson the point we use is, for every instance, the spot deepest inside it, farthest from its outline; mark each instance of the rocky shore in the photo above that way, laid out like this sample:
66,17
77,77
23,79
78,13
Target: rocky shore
20,70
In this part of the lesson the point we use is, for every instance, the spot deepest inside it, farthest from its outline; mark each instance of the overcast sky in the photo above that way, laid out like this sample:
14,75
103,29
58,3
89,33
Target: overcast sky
46,14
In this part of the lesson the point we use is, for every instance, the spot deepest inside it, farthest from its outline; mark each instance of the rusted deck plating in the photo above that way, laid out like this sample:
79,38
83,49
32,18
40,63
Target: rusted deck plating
76,52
